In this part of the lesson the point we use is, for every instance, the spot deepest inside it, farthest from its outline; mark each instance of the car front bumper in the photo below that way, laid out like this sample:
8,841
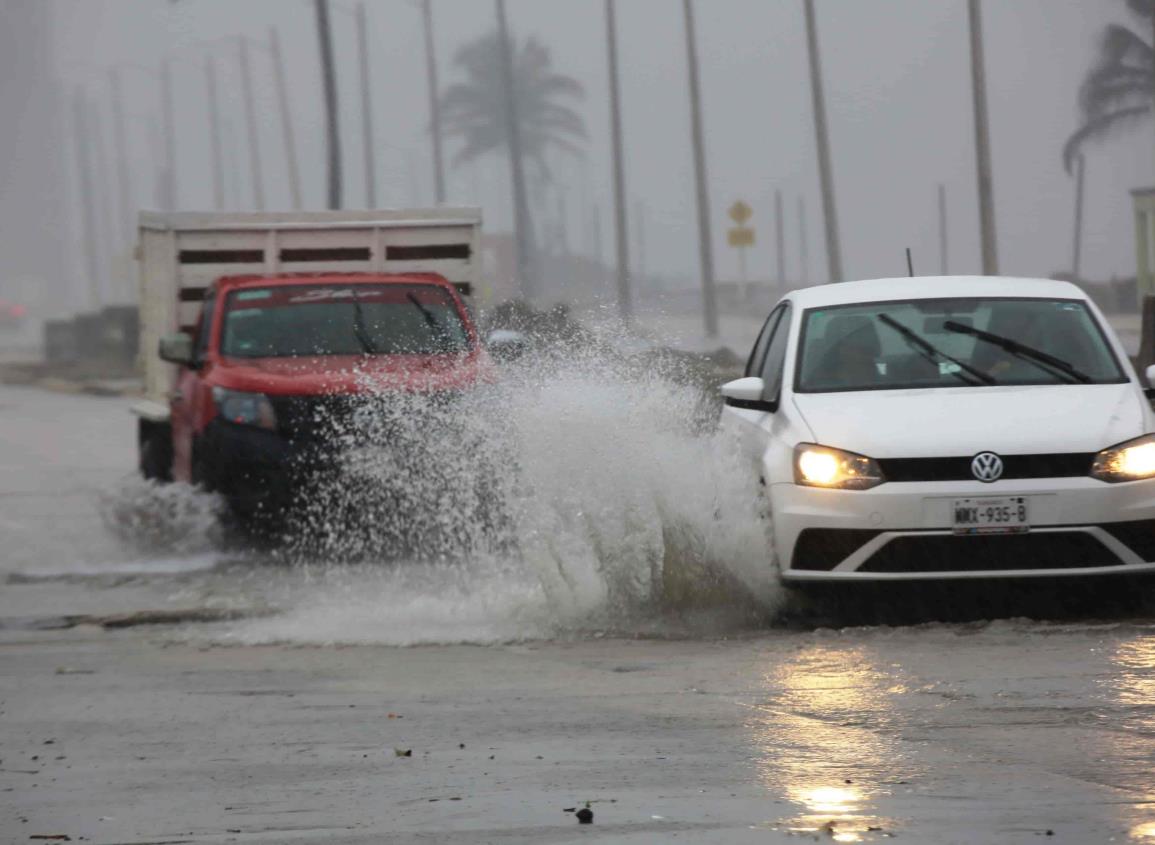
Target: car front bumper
257,471
903,531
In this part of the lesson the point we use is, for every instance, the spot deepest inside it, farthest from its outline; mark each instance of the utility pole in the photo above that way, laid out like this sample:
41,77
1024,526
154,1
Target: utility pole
822,141
803,247
942,232
120,141
434,108
171,200
258,182
82,138
105,208
1077,258
291,163
523,234
705,242
332,115
218,158
983,143
621,220
366,109
640,234
780,236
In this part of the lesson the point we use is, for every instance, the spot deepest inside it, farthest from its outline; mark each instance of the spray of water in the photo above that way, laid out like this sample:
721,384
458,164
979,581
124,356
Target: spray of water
150,518
585,489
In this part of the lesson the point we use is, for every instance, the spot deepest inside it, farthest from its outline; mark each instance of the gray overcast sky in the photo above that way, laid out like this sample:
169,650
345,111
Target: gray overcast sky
897,77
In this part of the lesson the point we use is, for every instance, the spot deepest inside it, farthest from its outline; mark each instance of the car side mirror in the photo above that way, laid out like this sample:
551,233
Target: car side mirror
506,344
177,349
747,393
1149,391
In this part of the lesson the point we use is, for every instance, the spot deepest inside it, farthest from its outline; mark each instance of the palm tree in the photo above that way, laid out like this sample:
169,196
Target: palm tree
478,112
1120,87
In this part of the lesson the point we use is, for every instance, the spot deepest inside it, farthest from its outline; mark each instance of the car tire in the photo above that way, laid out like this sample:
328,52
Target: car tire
154,449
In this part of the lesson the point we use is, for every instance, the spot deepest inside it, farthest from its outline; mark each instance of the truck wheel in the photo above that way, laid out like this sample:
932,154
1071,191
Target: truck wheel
154,444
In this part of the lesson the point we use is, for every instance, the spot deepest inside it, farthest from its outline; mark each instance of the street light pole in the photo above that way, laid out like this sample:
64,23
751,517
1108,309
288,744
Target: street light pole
294,172
434,110
258,182
523,233
81,139
332,117
171,200
215,135
366,108
983,143
822,142
705,242
120,140
621,221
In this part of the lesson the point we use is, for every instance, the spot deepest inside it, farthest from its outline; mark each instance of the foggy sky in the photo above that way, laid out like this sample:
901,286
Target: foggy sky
897,78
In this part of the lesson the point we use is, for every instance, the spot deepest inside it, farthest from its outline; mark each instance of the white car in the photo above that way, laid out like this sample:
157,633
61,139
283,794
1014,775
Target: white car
954,427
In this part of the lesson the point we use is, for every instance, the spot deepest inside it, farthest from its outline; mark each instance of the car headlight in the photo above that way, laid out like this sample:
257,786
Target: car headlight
245,408
1130,461
821,466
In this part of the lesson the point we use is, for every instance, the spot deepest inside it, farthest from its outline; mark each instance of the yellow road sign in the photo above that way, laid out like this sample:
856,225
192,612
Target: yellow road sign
740,212
741,236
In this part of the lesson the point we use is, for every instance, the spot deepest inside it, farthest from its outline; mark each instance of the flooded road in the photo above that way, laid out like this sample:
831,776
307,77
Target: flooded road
275,705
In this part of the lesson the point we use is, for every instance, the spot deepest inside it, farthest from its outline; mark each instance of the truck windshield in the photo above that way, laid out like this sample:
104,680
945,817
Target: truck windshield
952,343
306,320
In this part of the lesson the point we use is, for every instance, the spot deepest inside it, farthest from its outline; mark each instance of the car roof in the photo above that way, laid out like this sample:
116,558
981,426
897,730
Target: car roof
932,287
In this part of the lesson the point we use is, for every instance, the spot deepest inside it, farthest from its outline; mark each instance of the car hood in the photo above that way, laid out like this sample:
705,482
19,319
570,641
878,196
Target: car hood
352,373
966,420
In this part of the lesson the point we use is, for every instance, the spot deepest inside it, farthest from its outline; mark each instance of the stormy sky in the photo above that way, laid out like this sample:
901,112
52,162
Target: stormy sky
897,77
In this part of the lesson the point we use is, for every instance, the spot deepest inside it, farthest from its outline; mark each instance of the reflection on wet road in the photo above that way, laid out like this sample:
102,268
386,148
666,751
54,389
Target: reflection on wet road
826,729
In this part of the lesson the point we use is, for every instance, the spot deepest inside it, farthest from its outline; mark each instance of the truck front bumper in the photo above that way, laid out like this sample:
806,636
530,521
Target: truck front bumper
259,472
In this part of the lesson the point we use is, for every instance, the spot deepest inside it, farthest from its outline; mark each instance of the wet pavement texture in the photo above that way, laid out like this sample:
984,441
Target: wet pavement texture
213,728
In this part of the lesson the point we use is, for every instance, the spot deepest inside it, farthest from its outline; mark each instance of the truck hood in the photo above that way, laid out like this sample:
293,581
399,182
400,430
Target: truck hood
331,374
966,420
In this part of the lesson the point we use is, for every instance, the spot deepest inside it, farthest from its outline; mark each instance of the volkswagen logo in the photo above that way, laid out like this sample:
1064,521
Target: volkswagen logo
987,467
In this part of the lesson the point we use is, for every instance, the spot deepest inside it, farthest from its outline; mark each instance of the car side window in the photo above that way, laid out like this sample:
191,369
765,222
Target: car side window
774,364
758,355
205,328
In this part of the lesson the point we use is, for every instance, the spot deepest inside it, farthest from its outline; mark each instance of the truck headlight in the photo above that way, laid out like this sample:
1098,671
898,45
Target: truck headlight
821,466
1130,461
245,408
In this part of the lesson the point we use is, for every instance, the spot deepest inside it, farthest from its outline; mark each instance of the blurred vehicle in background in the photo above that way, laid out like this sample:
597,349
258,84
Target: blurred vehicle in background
12,315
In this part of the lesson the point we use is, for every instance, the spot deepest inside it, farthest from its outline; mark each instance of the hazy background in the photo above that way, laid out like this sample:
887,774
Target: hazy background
898,87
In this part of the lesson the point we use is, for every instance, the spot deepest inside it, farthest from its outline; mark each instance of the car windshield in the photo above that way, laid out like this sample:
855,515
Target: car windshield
952,343
360,319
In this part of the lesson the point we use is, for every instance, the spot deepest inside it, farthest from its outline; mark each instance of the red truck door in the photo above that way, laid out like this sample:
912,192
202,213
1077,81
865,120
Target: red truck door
189,398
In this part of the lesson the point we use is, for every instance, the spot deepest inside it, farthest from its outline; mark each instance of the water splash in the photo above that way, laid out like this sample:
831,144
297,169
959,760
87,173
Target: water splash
585,489
150,518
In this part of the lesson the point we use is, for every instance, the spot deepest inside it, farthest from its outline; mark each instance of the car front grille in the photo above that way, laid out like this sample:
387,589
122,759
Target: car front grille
823,549
939,554
355,417
1061,465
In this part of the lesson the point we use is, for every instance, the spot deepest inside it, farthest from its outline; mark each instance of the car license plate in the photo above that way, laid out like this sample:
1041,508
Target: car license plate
991,516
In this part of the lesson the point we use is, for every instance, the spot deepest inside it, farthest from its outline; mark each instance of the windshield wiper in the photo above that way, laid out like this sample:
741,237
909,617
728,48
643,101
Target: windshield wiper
1041,359
425,312
359,328
933,354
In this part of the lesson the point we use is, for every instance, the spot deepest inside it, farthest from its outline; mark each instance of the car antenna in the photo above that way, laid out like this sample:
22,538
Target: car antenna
909,263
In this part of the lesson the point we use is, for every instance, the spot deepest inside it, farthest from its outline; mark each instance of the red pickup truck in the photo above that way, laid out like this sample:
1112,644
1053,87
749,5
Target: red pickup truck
276,363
